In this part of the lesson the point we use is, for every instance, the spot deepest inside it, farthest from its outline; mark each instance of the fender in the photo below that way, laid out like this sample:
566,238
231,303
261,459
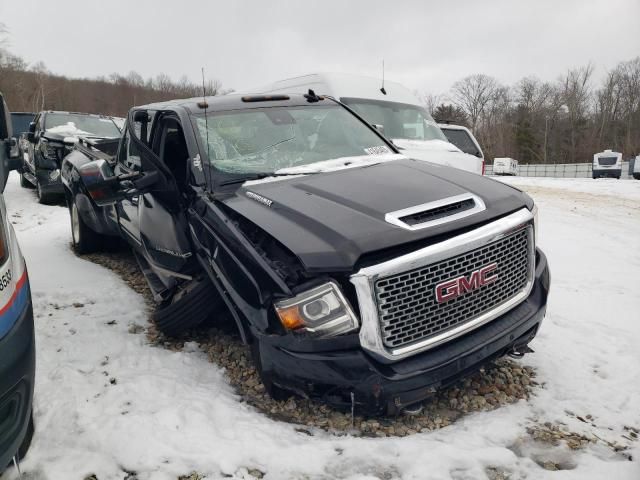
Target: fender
99,219
241,274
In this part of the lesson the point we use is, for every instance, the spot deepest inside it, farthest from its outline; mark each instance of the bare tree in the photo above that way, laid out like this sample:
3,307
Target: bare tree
473,94
576,94
630,86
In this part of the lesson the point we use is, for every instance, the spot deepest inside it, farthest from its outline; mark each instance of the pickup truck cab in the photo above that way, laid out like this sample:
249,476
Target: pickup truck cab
392,108
357,275
51,136
464,139
17,343
607,164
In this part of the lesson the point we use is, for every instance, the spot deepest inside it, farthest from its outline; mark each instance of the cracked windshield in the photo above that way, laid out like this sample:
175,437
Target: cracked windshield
270,139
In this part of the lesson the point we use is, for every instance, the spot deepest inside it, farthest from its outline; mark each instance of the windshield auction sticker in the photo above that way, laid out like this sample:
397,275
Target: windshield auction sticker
381,150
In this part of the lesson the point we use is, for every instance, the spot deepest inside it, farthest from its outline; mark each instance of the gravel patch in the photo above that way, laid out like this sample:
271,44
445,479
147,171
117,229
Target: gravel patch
500,383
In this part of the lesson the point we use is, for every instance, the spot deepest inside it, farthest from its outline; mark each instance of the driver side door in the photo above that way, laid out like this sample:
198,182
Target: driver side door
129,162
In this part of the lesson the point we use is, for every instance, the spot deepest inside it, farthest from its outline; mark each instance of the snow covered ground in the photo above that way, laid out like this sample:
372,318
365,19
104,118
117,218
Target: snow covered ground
107,403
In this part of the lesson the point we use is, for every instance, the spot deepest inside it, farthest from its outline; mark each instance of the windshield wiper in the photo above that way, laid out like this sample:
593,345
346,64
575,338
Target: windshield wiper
261,176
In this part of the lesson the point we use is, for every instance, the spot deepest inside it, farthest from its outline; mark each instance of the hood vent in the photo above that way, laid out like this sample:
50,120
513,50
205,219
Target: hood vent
436,213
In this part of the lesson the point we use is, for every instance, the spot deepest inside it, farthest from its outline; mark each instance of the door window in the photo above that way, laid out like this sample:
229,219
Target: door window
173,150
129,156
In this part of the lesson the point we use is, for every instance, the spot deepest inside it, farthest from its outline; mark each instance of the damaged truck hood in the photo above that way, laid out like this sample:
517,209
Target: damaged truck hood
330,220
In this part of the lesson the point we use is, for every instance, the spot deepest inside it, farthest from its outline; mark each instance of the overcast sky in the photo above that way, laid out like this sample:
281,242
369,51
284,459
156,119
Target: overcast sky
426,45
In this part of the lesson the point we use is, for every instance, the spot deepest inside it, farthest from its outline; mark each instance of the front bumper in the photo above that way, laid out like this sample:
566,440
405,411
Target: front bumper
17,372
333,370
607,172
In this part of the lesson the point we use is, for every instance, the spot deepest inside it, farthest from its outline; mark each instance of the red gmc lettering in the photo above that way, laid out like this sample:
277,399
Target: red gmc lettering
451,289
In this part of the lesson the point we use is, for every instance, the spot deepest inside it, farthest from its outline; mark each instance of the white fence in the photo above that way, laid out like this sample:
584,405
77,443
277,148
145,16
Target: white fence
562,170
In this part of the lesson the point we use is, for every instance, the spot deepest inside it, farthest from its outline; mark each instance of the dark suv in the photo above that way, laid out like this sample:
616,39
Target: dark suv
17,344
51,136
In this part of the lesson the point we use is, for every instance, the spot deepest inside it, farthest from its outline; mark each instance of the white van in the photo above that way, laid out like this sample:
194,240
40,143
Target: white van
462,138
397,112
607,164
636,168
505,166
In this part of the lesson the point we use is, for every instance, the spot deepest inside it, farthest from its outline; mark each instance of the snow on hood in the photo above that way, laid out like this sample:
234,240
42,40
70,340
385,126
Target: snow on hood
342,163
437,145
68,129
331,165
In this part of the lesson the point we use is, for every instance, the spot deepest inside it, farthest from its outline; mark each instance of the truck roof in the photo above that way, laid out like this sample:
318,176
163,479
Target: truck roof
76,113
339,85
232,101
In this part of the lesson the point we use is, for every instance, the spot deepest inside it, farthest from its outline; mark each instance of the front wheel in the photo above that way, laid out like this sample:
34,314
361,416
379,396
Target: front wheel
43,197
189,306
84,239
24,182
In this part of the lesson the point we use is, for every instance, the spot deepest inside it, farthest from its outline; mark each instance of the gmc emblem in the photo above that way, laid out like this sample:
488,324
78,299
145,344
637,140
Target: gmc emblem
456,287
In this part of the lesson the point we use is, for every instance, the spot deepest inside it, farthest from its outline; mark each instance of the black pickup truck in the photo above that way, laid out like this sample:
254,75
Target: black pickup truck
357,276
50,137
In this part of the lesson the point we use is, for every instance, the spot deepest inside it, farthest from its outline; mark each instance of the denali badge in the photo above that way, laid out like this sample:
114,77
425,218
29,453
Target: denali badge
260,198
456,287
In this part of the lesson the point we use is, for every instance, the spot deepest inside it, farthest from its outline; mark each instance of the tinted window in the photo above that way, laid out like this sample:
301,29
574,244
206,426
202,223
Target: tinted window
21,122
462,140
607,160
129,156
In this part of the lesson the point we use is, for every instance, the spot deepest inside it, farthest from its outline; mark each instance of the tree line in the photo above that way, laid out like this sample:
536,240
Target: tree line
565,121
32,88
534,121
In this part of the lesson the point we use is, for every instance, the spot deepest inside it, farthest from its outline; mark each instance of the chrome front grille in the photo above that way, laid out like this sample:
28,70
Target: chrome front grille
408,311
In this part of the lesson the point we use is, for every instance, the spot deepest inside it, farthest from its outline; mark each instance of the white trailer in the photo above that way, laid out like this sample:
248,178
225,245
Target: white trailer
505,166
607,164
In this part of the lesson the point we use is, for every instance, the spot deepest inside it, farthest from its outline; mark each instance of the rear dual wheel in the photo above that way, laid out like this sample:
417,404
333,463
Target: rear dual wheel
84,239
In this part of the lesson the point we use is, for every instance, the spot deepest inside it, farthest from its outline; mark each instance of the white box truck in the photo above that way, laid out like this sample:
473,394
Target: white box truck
393,109
505,166
607,164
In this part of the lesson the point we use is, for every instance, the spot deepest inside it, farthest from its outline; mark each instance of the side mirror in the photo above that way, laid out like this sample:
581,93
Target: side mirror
101,184
105,188
32,127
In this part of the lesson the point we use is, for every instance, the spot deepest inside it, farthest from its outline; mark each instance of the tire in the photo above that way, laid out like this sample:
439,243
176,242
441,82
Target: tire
26,443
188,307
24,183
84,239
24,446
43,197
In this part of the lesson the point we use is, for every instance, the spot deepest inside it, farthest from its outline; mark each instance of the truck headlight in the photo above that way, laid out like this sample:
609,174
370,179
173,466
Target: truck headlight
322,311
